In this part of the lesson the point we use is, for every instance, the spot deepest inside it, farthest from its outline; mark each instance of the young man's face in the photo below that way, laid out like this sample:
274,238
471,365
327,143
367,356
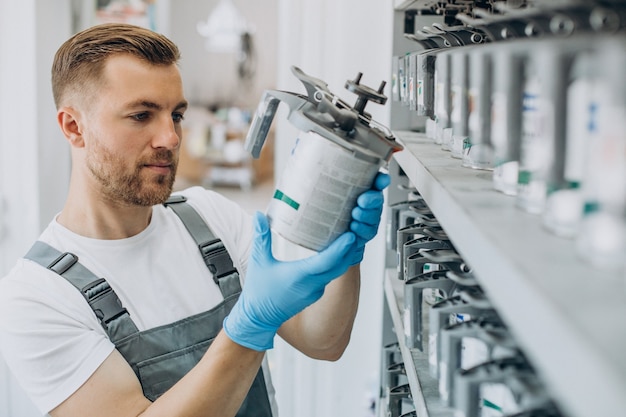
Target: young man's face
134,131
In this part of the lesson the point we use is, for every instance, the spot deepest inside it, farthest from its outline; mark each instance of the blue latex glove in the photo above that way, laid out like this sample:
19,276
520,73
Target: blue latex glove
366,215
275,291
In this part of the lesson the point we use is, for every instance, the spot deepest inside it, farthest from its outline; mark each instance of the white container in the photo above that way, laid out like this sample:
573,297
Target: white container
602,236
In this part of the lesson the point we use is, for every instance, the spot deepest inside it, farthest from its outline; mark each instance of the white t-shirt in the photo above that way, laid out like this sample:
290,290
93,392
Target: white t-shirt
50,337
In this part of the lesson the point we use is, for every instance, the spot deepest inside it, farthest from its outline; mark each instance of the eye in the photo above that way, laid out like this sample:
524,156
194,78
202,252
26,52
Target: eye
178,117
140,117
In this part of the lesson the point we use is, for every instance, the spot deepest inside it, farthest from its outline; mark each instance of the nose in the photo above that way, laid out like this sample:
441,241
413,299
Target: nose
167,135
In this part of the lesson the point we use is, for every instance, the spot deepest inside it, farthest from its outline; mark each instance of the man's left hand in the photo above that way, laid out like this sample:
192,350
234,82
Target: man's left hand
366,215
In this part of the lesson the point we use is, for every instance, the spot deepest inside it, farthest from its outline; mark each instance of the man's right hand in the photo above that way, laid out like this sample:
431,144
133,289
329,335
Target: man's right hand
275,291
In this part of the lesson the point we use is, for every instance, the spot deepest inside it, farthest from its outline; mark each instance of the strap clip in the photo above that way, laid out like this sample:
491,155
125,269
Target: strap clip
103,301
174,199
217,259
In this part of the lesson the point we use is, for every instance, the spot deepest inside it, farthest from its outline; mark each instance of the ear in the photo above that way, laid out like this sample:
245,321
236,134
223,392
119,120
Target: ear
68,119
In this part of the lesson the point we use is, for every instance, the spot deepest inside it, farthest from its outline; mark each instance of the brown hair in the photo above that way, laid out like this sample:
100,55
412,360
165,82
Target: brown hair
79,61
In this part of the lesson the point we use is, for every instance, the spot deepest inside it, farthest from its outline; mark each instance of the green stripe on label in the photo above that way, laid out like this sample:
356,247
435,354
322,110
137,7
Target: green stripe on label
489,404
573,185
591,207
279,195
524,177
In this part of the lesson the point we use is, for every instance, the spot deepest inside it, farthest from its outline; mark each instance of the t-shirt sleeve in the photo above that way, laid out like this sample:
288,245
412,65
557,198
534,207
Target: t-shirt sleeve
49,336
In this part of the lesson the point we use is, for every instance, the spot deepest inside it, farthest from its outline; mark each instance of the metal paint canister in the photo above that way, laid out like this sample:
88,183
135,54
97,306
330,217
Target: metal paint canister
477,149
337,155
543,144
317,190
443,96
601,240
460,103
506,109
538,111
585,95
425,97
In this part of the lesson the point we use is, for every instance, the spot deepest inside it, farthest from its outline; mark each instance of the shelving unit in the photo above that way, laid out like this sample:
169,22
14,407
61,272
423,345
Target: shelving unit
424,389
408,4
566,315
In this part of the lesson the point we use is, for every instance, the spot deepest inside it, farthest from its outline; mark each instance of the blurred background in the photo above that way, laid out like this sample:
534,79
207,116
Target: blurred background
232,50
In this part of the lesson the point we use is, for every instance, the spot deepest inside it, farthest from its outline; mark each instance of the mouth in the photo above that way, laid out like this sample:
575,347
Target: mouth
159,167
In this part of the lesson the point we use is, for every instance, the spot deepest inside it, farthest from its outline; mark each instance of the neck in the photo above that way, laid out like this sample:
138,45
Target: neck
90,214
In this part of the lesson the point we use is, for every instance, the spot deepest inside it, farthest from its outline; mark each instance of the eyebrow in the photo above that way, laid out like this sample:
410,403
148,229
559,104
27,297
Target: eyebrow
152,105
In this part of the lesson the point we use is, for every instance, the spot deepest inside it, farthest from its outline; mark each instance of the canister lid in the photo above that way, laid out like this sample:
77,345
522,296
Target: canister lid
349,126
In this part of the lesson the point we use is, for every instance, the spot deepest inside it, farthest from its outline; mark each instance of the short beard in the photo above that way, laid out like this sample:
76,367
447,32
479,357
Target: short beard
131,188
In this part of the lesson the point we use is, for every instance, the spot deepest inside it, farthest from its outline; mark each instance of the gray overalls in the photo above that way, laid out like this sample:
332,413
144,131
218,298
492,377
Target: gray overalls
162,355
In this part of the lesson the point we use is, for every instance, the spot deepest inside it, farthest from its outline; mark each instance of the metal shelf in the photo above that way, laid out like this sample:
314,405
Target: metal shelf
424,388
567,316
414,4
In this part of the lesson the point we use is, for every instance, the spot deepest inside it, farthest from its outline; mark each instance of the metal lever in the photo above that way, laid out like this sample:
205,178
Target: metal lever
266,110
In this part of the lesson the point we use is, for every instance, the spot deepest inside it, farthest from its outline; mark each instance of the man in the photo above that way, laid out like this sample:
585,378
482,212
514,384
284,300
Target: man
112,310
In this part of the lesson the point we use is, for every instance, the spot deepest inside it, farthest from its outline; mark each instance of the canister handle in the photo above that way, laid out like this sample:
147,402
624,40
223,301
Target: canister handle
264,116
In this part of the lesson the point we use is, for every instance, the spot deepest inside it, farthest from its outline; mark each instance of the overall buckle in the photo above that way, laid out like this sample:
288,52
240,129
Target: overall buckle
104,301
217,259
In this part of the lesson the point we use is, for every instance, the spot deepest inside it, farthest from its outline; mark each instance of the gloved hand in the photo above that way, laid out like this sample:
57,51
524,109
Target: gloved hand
366,215
275,291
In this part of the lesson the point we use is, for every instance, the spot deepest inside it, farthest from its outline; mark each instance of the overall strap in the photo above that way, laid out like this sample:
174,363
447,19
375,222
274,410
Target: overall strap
211,248
107,306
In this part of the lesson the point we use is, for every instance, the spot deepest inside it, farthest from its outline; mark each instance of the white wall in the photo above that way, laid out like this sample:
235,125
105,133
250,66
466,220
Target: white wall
334,41
34,164
53,27
35,158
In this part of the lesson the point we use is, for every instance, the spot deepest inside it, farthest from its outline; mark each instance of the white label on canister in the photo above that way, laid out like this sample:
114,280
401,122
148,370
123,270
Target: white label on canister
430,267
473,352
317,191
496,400
431,296
459,318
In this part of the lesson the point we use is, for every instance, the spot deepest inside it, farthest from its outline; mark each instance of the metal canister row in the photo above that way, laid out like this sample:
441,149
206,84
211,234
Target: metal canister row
540,102
450,321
